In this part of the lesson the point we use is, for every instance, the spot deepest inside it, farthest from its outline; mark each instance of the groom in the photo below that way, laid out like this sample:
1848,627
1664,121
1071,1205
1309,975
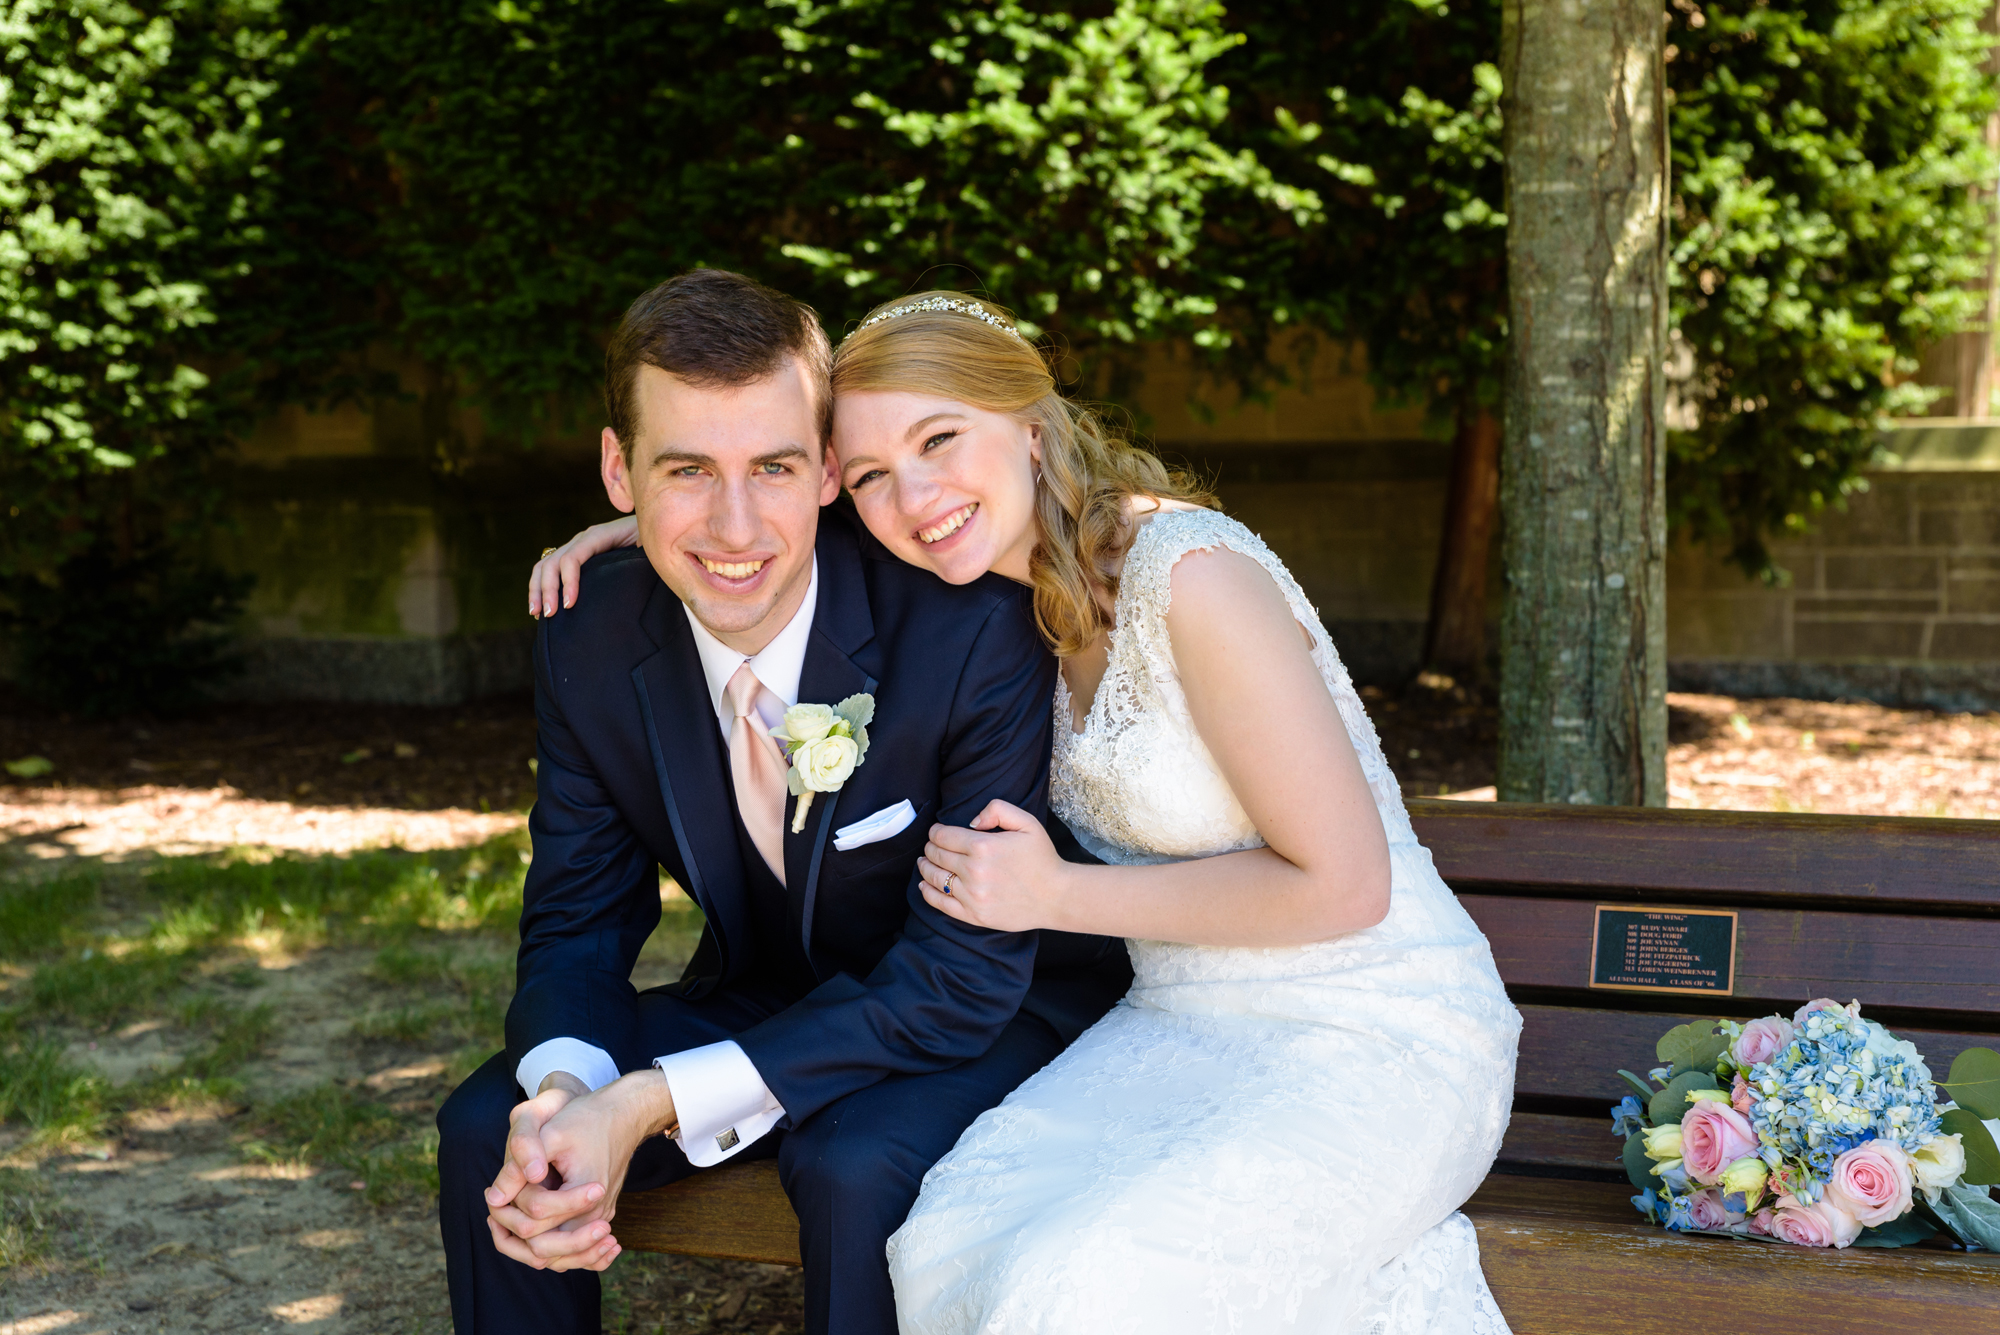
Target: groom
830,1017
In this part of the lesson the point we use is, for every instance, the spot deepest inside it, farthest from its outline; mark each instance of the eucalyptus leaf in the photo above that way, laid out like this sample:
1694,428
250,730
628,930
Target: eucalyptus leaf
1693,1047
1897,1232
1974,1081
1637,1166
1972,1214
1639,1087
1670,1104
1982,1157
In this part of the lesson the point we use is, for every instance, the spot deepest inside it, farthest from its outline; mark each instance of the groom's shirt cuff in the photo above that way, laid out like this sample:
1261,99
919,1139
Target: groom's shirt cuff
721,1101
590,1064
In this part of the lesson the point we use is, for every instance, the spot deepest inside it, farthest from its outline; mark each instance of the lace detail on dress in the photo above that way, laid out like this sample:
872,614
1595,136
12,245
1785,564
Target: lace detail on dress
1255,1141
1185,808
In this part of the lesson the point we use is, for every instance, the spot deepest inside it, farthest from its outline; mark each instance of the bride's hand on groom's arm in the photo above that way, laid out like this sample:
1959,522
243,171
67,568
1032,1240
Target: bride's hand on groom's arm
556,579
1003,873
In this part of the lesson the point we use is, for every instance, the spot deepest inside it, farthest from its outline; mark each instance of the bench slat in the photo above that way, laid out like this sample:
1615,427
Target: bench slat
1573,1052
1782,957
1703,856
1574,1258
738,1212
1547,1141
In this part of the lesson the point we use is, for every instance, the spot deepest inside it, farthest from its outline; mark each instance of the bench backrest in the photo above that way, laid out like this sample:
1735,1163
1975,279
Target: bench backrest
1901,914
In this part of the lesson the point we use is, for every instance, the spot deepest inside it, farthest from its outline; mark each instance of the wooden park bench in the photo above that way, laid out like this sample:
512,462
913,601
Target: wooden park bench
1902,914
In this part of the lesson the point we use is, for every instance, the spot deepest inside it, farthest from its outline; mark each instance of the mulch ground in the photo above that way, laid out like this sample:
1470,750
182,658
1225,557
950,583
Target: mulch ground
472,757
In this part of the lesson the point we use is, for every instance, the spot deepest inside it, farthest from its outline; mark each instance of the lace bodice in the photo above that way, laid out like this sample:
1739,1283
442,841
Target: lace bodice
1138,783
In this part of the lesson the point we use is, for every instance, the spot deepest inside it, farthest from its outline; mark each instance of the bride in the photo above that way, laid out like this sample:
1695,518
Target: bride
1275,1128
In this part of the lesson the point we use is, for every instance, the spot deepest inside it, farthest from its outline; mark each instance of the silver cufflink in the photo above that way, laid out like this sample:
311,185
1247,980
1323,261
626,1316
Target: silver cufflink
727,1140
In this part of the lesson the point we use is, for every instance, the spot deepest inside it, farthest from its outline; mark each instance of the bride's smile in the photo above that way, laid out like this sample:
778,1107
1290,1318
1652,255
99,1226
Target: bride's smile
943,484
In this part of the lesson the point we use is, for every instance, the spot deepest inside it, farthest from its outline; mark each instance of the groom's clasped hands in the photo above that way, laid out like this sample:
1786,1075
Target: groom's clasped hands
568,1150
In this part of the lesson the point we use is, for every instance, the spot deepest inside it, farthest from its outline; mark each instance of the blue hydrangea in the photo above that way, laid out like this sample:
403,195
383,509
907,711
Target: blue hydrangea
1647,1203
1627,1117
1842,1082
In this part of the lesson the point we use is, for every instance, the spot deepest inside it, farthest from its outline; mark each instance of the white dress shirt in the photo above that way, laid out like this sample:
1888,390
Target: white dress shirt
721,1101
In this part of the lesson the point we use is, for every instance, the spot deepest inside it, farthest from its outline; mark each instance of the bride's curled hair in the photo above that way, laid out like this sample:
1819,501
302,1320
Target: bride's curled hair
1089,472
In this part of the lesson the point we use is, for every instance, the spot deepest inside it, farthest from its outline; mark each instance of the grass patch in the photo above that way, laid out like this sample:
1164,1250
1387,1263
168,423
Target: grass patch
307,900
103,984
337,1127
36,916
31,1216
62,1103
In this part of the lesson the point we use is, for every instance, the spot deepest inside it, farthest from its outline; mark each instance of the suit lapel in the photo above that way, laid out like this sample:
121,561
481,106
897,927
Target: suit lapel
692,767
837,666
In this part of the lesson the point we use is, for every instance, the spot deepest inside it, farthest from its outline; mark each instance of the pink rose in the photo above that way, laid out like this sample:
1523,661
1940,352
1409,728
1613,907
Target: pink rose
1763,1222
1714,1136
1820,1225
1739,1095
1872,1182
1706,1211
1820,1004
1762,1040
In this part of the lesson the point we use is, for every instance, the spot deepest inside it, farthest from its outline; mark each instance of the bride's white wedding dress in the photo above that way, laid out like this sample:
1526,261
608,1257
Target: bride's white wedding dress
1253,1140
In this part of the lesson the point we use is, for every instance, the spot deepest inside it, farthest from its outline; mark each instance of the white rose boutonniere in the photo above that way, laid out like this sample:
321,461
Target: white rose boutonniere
826,742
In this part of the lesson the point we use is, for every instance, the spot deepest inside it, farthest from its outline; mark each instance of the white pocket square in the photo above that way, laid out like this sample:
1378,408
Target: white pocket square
874,829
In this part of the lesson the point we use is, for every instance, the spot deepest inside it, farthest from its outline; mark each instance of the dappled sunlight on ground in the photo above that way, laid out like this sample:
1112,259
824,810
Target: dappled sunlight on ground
151,821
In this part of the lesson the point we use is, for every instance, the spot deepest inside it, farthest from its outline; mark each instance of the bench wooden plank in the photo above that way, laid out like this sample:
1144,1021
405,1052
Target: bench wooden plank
1785,957
1545,1140
1705,856
1575,1052
1574,1258
738,1212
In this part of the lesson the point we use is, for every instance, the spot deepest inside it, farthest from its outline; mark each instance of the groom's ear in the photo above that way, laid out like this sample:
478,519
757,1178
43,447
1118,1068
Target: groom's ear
829,487
617,475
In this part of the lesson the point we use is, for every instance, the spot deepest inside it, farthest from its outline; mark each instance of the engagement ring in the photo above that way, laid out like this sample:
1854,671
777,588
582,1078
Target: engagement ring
547,552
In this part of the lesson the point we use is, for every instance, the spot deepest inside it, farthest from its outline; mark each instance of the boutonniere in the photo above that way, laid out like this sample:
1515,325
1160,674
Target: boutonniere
826,742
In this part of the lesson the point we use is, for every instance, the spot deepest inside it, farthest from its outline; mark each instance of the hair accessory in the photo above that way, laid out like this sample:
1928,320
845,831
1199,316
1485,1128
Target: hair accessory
973,309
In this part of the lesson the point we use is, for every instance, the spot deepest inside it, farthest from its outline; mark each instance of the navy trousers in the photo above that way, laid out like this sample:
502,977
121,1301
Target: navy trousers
852,1171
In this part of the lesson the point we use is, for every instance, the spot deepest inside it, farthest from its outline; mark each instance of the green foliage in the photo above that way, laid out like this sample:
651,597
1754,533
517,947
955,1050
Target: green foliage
525,170
1974,1081
131,191
1972,1213
1982,1158
1670,1105
1824,230
1638,1168
1390,110
1695,1046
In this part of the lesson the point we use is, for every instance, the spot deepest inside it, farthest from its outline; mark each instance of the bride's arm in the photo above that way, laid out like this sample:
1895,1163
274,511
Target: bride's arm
1269,721
558,577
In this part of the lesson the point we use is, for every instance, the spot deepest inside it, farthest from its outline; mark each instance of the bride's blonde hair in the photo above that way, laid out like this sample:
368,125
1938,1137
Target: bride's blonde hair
953,346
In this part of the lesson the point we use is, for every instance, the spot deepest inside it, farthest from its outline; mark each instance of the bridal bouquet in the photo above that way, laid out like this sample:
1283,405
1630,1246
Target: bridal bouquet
1821,1131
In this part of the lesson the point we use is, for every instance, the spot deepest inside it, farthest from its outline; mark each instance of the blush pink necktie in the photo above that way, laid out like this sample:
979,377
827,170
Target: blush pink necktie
758,766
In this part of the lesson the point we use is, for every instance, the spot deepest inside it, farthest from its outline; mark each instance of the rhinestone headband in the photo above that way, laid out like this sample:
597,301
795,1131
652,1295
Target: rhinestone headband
973,309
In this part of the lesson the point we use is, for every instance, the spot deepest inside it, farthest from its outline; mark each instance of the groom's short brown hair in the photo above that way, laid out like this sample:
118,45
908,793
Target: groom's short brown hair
715,330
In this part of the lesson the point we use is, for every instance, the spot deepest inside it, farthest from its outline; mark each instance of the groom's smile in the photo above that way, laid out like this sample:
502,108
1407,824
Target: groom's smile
727,482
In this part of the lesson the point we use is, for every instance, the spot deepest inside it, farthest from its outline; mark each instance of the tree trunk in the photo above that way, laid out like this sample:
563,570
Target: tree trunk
1583,635
1455,642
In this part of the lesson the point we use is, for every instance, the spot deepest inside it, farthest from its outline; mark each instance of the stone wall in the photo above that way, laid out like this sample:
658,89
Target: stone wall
1896,599
384,577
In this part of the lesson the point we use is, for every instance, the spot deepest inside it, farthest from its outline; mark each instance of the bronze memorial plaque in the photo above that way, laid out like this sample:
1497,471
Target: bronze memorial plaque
1664,950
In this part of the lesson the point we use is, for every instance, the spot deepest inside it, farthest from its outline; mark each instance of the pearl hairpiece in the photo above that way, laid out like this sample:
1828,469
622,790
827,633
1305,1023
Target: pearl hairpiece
973,309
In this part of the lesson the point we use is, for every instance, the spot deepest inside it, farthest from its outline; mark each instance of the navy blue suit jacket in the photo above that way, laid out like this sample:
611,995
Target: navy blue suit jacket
633,776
